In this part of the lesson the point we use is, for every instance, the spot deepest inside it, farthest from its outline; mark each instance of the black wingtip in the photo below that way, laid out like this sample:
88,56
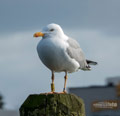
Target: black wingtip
91,62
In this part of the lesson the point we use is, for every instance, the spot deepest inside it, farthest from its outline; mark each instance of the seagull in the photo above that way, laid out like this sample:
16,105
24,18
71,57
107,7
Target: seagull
60,53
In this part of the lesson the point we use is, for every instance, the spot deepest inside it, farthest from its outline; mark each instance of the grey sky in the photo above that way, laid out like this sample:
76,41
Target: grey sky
95,24
18,15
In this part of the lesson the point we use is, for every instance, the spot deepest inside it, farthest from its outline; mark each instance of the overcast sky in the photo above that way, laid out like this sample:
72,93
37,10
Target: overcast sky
95,24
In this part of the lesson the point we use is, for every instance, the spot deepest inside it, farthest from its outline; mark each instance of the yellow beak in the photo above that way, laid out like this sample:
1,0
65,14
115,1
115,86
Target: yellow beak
38,34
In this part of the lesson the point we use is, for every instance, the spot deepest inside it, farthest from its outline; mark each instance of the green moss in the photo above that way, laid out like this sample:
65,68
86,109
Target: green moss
53,105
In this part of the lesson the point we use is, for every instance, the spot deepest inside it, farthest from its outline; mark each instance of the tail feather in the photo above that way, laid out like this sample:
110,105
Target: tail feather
91,62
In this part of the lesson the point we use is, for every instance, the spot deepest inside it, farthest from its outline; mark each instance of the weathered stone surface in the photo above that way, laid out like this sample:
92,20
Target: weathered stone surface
53,105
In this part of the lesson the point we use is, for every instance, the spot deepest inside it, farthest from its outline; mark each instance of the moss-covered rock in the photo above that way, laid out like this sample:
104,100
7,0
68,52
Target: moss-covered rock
53,105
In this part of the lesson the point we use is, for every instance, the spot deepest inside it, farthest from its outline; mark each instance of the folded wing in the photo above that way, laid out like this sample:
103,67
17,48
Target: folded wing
75,52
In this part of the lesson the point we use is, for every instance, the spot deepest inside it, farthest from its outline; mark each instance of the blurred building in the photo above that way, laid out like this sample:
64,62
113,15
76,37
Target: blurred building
113,80
101,100
8,113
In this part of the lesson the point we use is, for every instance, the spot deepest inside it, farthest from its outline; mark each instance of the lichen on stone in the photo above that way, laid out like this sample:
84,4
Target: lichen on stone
53,105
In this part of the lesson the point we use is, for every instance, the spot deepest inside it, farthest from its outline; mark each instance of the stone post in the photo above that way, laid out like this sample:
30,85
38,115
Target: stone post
53,105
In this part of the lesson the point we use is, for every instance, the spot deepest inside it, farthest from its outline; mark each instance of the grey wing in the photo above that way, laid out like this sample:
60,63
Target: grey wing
75,52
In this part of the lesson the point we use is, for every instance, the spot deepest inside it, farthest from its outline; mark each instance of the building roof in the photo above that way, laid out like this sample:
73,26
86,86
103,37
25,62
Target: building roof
9,113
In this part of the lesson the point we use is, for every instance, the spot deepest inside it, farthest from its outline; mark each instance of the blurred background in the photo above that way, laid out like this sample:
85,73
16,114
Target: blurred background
95,24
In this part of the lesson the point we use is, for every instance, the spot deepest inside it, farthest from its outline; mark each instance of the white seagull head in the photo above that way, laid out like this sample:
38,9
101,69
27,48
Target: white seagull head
51,30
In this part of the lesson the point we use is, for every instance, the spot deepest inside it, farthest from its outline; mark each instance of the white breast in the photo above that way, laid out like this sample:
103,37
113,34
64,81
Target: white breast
52,53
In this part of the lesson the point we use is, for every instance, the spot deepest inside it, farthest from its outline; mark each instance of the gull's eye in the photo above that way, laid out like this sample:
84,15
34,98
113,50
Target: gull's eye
51,29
